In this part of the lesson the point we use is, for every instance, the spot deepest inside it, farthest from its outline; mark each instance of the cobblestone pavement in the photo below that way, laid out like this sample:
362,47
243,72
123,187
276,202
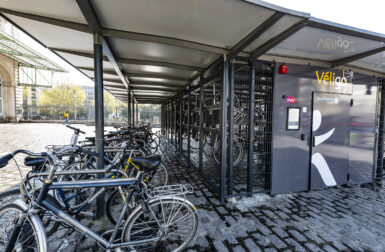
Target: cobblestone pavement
336,219
33,137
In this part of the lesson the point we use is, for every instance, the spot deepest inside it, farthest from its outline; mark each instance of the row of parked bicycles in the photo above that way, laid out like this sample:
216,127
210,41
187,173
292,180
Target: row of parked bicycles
63,185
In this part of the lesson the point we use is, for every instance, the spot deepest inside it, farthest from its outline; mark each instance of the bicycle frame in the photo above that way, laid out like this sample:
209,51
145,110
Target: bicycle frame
84,229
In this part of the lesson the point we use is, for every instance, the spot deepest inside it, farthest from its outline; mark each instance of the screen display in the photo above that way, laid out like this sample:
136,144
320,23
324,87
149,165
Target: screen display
293,118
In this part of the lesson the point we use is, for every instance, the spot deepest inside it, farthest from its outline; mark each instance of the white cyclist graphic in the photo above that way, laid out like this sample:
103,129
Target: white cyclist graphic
317,159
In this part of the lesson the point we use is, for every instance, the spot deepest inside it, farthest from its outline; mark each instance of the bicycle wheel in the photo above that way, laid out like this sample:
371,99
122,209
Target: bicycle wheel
177,216
208,148
31,235
46,217
114,206
77,196
160,178
237,152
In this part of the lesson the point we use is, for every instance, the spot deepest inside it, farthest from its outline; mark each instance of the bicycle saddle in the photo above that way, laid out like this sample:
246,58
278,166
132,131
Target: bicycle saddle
149,163
33,161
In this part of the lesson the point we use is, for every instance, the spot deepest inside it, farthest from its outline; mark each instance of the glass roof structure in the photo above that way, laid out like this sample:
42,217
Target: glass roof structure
16,50
158,47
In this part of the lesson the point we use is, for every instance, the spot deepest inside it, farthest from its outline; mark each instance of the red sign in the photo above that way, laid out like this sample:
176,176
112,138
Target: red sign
290,99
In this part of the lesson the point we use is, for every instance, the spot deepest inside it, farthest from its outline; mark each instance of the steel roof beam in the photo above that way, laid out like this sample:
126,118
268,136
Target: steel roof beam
93,22
352,58
278,39
48,20
132,61
329,26
162,40
141,75
242,44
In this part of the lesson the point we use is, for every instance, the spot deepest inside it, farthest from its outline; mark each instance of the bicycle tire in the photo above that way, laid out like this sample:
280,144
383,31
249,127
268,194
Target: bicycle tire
32,223
111,206
46,222
139,212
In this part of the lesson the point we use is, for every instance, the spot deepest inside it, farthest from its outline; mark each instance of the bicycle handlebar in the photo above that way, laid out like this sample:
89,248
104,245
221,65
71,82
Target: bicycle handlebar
76,129
5,159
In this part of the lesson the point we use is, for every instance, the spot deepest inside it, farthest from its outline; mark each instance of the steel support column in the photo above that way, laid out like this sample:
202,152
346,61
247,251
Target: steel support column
201,103
176,122
180,121
133,110
99,115
231,128
250,160
129,106
224,90
137,111
189,122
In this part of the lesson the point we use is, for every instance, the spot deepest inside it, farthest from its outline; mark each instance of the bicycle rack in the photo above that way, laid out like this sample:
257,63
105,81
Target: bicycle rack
197,123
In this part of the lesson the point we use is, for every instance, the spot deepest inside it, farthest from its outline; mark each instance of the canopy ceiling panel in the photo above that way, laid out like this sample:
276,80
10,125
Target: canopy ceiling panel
160,81
131,68
55,36
148,86
65,10
374,62
82,61
220,23
105,75
161,52
318,44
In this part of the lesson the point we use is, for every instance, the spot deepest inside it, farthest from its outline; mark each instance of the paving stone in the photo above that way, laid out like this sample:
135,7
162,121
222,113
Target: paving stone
297,236
220,246
296,245
328,248
270,250
280,232
250,244
222,210
278,243
312,247
239,249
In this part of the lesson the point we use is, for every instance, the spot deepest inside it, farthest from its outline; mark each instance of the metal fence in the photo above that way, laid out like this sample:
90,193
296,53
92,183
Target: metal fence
229,143
380,129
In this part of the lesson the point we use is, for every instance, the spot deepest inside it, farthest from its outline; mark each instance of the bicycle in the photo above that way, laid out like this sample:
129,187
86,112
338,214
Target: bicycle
154,222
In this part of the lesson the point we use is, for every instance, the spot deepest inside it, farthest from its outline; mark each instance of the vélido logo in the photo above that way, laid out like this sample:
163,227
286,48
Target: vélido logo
290,99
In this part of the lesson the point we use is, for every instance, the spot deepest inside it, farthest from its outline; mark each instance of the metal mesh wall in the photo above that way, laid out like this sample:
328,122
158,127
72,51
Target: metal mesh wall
194,131
211,132
184,123
380,129
249,85
251,151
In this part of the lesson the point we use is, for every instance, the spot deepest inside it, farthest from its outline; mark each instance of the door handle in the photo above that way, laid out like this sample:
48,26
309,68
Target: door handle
302,137
313,141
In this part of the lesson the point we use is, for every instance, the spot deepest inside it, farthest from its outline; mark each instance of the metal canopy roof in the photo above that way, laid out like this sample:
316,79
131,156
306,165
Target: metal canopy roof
16,50
157,47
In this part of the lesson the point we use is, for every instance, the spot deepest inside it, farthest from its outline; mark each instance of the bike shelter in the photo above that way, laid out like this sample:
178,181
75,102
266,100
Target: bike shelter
304,102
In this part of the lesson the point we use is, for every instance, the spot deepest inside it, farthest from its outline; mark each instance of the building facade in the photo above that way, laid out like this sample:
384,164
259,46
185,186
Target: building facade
21,68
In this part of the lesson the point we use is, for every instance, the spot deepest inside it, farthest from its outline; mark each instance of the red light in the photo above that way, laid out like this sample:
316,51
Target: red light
283,69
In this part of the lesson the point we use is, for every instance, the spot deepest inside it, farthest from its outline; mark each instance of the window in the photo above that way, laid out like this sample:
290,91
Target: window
1,96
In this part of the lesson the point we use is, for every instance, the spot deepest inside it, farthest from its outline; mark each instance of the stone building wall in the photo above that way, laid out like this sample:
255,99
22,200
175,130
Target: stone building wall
11,92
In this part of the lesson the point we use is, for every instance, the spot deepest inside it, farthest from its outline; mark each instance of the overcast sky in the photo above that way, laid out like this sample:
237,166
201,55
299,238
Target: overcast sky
367,14
364,14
